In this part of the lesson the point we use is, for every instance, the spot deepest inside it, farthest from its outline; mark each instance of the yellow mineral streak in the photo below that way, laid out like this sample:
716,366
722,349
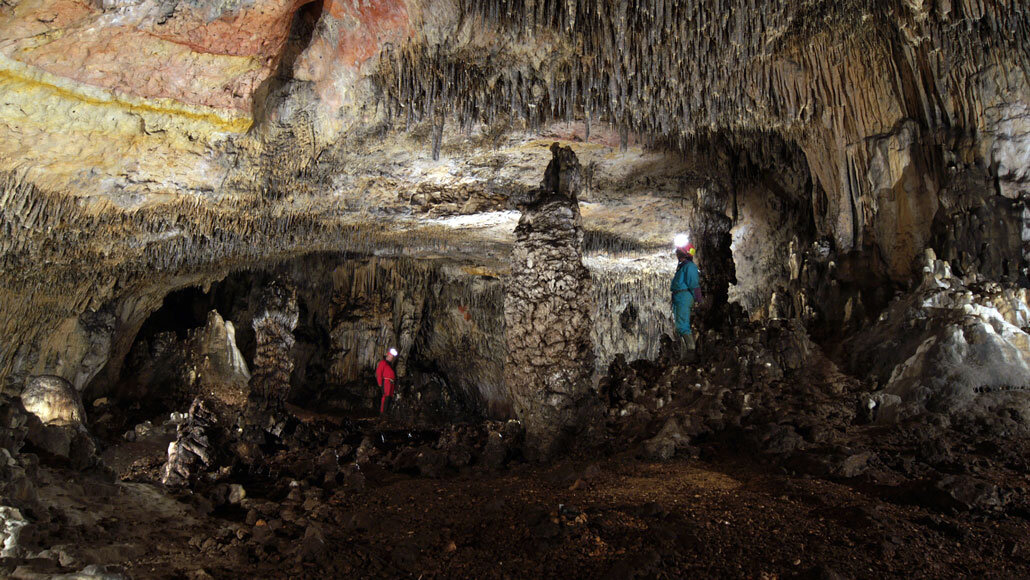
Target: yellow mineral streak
67,136
17,76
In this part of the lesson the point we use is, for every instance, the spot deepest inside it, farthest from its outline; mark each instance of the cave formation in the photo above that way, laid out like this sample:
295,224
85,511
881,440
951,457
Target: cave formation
217,216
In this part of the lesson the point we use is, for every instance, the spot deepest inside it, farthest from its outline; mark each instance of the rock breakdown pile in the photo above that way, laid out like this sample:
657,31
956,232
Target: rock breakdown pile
763,393
958,350
768,390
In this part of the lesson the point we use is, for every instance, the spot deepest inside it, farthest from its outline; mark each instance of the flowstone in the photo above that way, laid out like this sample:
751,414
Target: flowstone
950,348
53,400
547,310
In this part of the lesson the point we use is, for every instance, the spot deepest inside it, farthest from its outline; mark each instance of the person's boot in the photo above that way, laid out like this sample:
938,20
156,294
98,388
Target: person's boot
687,352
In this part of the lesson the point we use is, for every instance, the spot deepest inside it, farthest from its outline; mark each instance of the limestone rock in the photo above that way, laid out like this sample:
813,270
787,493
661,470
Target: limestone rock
962,493
547,312
664,445
217,363
11,525
273,330
60,431
193,450
949,350
71,442
54,401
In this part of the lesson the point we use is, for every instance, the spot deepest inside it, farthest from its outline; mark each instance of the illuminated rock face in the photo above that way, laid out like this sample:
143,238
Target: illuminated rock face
53,400
813,150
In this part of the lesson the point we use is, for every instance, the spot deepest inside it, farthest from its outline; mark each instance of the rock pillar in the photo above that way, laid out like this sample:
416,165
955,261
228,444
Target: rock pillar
273,332
273,365
547,308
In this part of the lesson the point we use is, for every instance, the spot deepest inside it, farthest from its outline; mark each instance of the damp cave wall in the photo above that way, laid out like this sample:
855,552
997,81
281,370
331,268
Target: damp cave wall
911,118
446,319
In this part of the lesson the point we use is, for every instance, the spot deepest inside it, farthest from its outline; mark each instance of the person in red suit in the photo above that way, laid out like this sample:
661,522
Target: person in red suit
386,378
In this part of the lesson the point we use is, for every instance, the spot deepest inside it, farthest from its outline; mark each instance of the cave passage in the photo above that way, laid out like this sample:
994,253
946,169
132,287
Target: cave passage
218,218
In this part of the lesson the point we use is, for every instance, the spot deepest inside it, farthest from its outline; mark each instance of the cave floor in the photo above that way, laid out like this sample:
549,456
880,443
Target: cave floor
615,518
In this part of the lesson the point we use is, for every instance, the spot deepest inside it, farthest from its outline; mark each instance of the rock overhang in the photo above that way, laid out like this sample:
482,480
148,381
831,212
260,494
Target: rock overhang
274,127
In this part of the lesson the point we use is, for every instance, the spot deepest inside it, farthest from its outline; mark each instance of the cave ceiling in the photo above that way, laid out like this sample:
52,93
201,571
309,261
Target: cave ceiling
157,139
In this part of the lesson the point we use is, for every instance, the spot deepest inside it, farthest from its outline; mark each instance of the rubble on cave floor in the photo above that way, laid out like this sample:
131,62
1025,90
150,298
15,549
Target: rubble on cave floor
610,517
764,450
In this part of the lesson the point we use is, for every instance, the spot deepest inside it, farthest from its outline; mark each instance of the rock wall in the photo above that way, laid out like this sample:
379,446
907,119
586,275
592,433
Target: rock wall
463,336
761,250
152,145
547,310
950,349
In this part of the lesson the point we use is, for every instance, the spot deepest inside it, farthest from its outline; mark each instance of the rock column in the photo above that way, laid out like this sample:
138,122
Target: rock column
547,309
273,365
273,331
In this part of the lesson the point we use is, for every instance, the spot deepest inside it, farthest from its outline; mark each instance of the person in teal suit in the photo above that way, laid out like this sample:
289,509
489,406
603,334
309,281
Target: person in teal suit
685,289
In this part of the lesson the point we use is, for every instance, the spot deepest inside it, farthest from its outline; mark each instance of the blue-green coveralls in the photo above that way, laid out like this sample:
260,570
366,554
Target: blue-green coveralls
684,282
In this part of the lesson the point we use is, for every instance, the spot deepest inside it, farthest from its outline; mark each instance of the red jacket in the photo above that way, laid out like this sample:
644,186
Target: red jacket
385,377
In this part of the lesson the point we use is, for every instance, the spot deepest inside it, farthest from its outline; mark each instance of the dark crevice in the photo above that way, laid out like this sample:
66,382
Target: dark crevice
302,30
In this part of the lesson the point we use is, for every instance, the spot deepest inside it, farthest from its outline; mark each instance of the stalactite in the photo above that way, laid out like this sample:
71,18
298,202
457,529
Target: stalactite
716,65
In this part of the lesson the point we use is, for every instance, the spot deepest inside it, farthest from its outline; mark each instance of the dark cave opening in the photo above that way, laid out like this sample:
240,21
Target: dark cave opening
159,372
180,312
302,30
202,341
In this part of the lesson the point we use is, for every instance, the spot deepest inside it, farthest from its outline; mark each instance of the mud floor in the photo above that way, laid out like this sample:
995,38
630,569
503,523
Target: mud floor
617,518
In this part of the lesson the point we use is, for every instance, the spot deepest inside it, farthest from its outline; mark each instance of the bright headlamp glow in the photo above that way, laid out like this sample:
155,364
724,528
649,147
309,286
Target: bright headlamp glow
681,240
393,352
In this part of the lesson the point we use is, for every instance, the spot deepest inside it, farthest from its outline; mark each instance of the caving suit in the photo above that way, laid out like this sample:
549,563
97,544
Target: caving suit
386,378
685,283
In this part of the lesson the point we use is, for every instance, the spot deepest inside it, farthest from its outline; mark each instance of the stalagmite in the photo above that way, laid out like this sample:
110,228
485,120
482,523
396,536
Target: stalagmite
191,191
273,330
193,449
547,308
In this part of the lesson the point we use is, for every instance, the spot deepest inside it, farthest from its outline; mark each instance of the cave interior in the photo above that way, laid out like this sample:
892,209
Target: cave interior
219,218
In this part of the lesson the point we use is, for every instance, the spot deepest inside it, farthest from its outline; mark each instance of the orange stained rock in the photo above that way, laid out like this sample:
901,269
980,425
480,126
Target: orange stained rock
215,64
258,30
129,61
35,18
366,26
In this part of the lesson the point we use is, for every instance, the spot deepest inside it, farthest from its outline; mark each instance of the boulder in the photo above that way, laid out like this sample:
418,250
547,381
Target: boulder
11,524
53,400
64,441
312,547
54,423
664,445
963,493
